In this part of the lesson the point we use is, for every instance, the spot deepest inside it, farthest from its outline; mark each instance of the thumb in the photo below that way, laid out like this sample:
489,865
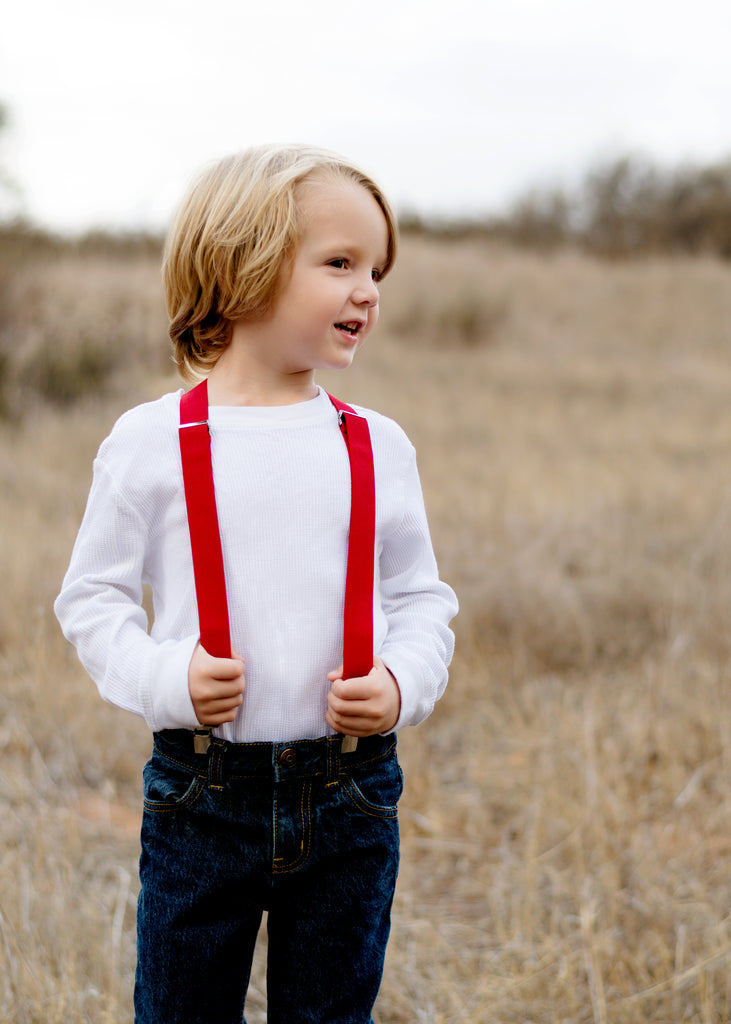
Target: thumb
335,674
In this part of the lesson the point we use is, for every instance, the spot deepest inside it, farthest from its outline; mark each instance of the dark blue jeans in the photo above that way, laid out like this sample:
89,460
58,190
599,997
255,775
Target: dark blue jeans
300,830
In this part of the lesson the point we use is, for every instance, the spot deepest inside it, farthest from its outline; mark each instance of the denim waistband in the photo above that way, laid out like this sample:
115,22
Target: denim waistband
299,758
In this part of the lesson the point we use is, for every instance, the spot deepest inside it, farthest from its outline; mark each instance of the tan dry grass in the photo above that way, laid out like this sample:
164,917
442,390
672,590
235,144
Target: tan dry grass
567,814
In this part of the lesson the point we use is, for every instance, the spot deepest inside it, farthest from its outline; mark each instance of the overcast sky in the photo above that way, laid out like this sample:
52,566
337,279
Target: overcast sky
455,107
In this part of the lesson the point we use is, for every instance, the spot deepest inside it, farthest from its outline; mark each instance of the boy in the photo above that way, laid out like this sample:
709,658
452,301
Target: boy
271,272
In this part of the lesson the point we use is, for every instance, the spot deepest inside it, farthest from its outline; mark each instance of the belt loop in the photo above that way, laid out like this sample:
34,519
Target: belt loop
333,760
216,753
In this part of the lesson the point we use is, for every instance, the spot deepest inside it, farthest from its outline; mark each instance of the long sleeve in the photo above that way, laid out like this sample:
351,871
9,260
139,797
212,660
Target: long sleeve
101,613
417,606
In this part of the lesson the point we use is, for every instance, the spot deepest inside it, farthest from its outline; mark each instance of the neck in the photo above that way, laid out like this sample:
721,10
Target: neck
237,379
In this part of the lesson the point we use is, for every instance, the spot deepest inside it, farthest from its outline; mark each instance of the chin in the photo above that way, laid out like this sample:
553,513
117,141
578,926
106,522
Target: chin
344,363
341,361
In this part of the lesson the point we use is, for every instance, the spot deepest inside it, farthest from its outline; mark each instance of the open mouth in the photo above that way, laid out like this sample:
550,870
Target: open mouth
350,327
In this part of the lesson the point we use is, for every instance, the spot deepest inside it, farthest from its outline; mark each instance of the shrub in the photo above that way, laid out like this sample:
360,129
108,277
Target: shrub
77,318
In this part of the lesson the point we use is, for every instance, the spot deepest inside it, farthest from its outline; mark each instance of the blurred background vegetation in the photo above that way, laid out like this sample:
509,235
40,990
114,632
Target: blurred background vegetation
627,206
628,209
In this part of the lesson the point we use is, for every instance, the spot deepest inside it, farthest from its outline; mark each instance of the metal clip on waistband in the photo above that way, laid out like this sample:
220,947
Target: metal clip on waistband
201,739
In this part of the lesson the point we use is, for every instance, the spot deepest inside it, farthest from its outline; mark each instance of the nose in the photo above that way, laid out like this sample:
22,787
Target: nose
365,292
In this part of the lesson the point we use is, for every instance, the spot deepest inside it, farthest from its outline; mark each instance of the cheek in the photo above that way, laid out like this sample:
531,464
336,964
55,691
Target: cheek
373,313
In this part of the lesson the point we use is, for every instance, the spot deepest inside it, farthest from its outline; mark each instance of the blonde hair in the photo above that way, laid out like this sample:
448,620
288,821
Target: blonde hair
235,229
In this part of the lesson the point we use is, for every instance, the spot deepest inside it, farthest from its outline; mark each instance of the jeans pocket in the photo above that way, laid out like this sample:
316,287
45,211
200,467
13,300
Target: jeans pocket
168,786
375,788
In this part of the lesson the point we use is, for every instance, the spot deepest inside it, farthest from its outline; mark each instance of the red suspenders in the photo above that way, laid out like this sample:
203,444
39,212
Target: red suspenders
205,540
210,583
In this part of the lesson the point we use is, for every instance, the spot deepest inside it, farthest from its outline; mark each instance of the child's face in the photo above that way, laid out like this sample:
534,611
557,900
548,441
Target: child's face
327,304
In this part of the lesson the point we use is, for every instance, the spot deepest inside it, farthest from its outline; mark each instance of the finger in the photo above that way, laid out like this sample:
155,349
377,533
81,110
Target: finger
346,726
213,718
218,689
211,704
353,723
336,673
352,689
350,710
375,708
221,707
225,668
352,727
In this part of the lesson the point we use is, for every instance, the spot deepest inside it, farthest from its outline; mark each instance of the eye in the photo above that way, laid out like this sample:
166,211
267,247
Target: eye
340,263
377,274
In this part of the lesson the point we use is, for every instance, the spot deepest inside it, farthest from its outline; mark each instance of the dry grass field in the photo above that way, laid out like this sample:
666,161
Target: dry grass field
567,816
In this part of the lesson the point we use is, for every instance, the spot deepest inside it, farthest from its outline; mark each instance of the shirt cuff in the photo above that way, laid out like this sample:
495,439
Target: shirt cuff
170,705
413,708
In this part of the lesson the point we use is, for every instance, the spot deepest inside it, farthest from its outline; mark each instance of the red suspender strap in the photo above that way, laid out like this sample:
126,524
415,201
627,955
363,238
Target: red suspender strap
358,613
205,539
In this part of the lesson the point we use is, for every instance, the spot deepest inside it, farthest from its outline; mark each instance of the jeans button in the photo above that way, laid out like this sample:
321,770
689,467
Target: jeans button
288,757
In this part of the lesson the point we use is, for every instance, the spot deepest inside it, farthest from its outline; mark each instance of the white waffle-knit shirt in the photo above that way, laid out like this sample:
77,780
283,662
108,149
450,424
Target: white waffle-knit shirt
282,480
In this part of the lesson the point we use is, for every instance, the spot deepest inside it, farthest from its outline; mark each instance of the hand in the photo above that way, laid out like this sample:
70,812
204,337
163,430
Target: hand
216,686
364,706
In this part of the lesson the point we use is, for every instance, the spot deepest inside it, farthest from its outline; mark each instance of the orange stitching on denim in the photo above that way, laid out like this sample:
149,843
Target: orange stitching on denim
348,766
372,810
181,764
306,833
215,769
190,797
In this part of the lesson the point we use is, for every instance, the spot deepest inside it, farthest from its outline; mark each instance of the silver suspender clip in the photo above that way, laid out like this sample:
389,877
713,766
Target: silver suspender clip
201,739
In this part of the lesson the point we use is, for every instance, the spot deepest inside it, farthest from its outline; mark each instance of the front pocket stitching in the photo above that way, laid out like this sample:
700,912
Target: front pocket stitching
188,798
373,810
